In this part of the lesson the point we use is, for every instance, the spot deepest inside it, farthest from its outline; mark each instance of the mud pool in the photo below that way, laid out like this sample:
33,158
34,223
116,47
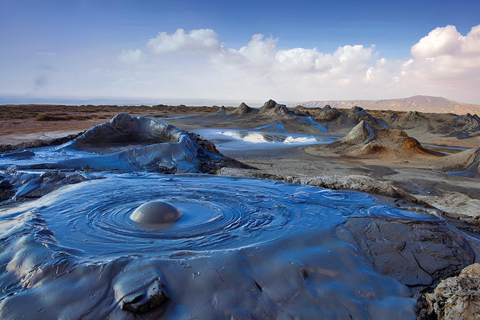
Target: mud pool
244,247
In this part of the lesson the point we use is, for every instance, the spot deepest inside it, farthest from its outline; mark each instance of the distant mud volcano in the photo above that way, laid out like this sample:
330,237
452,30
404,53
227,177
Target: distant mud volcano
246,248
367,142
465,163
243,110
269,109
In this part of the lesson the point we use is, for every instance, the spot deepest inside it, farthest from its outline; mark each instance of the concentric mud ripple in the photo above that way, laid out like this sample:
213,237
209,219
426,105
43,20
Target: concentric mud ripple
218,213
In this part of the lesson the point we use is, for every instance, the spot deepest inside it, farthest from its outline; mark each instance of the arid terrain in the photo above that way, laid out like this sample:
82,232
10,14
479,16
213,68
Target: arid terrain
416,103
421,162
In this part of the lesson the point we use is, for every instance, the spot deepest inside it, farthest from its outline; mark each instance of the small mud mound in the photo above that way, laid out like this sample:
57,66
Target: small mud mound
358,114
411,146
346,119
412,119
243,110
273,109
327,113
467,161
366,142
360,135
303,111
391,119
463,126
222,111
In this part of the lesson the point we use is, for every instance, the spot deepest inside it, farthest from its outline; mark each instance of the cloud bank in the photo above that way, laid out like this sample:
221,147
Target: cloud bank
196,64
444,62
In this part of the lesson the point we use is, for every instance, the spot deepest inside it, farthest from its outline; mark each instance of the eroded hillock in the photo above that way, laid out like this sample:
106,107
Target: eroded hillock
364,141
243,110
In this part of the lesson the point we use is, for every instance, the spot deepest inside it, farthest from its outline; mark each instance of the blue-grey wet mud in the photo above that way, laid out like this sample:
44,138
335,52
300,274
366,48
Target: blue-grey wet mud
243,248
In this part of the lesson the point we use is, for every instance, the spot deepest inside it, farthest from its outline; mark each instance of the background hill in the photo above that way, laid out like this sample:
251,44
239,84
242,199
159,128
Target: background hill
415,103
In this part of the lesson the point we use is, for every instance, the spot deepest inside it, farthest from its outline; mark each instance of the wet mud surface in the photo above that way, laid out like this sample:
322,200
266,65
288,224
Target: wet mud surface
243,248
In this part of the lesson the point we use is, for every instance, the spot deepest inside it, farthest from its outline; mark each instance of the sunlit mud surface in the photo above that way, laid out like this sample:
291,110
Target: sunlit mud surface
243,248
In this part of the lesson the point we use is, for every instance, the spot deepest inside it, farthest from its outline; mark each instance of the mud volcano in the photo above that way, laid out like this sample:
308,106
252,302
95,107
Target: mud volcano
127,144
243,248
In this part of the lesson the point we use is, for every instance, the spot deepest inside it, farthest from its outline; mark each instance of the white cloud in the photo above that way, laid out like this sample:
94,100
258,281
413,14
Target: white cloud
201,40
259,51
444,62
132,56
471,43
440,41
303,60
447,63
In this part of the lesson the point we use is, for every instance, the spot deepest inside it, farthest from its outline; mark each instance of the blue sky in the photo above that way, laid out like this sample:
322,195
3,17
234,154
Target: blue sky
308,50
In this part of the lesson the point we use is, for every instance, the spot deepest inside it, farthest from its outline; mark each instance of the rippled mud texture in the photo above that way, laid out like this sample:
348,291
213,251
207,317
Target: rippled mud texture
127,144
243,248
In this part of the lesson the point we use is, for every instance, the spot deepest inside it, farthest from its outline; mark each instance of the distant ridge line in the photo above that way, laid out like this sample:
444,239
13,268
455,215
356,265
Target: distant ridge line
420,103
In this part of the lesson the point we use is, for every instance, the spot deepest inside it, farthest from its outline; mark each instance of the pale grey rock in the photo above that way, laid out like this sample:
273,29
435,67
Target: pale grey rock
457,297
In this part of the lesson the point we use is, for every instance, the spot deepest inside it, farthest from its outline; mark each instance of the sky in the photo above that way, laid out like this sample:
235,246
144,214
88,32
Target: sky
206,52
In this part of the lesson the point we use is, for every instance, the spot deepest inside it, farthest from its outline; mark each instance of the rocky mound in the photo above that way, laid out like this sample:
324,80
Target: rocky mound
243,110
451,125
222,111
366,142
357,114
464,125
457,297
412,119
467,161
273,109
346,119
303,111
327,113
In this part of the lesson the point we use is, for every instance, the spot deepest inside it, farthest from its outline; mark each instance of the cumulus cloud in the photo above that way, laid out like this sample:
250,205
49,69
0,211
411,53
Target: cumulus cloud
132,56
201,40
440,41
471,43
303,60
446,62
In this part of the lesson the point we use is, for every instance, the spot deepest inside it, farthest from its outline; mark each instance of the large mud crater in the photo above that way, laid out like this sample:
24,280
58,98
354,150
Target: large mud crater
218,213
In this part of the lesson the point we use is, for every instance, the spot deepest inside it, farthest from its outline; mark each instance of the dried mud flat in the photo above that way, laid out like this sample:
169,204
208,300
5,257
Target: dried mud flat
411,161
